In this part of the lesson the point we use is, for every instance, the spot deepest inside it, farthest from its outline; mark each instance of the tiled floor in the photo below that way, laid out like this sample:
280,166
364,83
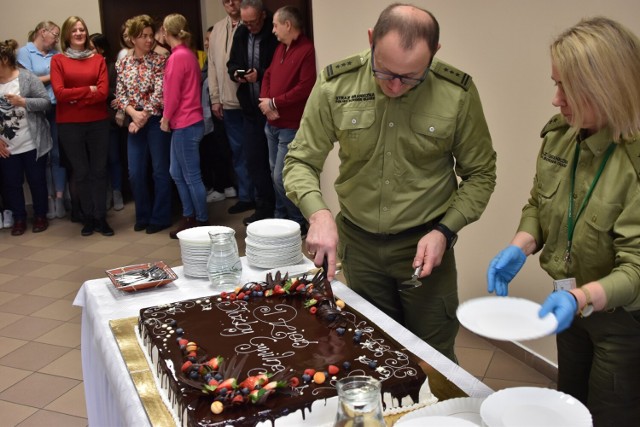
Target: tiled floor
40,274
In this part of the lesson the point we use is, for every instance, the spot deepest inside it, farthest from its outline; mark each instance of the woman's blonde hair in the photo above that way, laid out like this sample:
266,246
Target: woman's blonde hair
44,25
67,28
176,25
137,24
599,65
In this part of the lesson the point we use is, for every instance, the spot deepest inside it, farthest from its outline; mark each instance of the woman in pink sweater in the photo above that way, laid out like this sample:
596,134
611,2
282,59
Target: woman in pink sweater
183,116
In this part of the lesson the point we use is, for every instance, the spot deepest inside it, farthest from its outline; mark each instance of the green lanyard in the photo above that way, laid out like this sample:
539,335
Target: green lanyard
571,223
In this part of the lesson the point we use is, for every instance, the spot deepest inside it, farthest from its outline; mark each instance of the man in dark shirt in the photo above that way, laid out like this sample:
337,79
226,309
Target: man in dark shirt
251,53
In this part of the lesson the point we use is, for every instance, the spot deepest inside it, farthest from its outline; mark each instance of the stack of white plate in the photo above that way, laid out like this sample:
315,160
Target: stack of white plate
195,246
273,243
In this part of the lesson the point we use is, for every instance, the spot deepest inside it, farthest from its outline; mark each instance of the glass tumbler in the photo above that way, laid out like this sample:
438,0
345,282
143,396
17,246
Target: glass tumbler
359,402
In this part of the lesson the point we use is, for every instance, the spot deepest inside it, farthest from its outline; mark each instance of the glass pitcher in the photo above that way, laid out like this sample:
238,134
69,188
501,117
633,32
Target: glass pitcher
224,267
359,402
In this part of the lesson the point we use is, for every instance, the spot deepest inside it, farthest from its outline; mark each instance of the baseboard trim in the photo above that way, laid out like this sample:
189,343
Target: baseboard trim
529,358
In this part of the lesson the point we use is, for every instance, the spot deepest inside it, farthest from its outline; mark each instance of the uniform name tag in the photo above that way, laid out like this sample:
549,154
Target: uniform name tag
564,284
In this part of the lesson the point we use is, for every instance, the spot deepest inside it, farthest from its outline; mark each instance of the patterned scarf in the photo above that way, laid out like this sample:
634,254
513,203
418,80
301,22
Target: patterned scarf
78,54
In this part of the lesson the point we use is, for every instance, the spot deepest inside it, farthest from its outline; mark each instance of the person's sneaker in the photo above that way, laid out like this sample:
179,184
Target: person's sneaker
19,227
215,196
185,222
241,206
51,213
230,193
40,223
257,216
154,228
102,227
118,202
139,226
87,228
61,211
7,219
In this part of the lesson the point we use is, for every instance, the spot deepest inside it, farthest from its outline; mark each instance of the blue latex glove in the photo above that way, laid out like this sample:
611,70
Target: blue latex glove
503,269
563,305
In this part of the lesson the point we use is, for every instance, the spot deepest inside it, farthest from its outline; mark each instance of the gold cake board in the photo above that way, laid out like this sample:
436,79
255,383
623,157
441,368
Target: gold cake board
159,415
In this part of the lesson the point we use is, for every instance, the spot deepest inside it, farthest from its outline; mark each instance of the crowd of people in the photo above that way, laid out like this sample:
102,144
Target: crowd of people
176,117
408,126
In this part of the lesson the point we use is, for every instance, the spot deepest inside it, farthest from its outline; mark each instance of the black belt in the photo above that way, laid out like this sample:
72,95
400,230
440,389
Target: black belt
422,228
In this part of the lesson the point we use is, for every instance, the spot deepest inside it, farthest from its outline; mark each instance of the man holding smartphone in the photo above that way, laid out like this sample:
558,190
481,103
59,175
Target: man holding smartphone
251,53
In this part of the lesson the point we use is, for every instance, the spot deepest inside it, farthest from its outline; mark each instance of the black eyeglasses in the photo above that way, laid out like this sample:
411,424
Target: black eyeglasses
385,75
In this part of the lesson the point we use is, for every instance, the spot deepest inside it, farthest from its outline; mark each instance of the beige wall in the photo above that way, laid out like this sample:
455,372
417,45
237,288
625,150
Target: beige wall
20,18
501,43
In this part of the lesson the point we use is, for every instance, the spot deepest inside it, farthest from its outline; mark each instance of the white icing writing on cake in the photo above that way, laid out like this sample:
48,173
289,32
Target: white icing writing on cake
278,318
237,312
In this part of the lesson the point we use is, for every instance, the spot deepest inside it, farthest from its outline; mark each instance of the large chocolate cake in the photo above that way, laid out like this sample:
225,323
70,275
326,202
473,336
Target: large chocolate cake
270,350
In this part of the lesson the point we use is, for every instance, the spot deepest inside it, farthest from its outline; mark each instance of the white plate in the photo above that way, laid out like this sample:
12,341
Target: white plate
435,421
466,408
274,227
533,407
505,318
199,234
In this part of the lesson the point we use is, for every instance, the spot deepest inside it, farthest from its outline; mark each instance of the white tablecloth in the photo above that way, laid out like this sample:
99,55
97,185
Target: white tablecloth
110,394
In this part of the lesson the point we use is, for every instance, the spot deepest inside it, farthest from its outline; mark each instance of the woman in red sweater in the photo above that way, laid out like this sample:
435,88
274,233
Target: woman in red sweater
80,83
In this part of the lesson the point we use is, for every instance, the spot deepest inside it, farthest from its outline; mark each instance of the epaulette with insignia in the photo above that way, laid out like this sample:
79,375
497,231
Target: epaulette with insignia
452,74
343,66
558,121
632,149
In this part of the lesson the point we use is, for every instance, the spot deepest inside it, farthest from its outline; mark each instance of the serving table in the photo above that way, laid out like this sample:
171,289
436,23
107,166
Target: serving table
111,397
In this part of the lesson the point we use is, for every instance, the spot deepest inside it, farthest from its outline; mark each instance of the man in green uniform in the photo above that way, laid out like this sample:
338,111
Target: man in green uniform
408,126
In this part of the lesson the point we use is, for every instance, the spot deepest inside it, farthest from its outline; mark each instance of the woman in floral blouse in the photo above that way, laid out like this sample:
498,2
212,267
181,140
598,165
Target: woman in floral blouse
139,95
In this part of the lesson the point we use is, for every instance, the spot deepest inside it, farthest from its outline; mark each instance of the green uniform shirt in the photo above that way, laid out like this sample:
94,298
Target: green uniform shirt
399,157
606,240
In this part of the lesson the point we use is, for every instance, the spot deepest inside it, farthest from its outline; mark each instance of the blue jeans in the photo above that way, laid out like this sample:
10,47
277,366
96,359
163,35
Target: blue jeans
185,170
278,140
14,168
150,143
257,155
233,124
58,177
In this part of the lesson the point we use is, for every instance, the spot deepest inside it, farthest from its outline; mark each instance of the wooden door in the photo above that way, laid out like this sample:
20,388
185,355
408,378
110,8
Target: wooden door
114,12
303,5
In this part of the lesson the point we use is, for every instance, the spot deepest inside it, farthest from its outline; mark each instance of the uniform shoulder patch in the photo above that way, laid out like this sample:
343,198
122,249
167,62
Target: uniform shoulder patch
343,66
556,122
632,149
451,73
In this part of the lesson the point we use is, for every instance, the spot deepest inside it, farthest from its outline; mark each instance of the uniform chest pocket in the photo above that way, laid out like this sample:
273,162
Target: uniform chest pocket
599,218
356,132
550,215
547,187
433,134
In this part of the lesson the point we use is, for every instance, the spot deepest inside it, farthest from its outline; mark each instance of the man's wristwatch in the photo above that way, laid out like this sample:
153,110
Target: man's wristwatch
449,235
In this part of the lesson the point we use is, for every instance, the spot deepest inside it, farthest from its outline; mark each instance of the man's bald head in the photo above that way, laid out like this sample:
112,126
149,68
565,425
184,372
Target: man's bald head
412,23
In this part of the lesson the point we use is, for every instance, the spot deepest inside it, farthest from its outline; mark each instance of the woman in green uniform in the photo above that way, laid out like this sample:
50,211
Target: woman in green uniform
584,214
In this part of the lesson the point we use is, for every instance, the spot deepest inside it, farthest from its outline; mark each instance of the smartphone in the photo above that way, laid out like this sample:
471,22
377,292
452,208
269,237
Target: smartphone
241,73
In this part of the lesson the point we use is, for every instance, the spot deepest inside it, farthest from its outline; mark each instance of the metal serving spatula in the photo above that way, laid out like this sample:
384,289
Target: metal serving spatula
413,282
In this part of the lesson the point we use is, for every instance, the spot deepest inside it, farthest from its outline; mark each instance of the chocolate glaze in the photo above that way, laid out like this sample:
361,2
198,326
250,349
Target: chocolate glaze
281,337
